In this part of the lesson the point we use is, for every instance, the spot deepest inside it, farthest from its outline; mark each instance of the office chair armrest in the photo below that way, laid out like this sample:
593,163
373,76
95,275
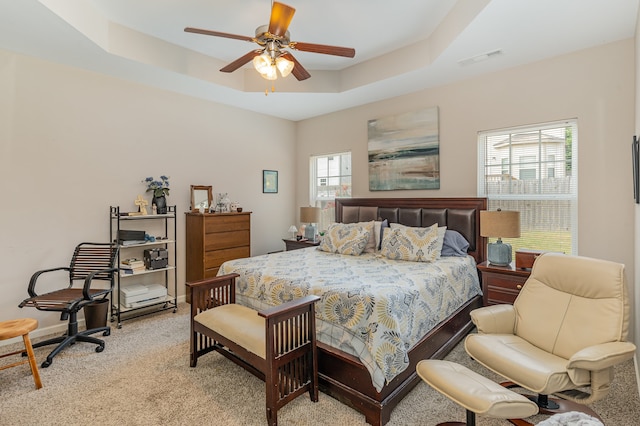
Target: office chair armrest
87,283
35,276
599,357
494,319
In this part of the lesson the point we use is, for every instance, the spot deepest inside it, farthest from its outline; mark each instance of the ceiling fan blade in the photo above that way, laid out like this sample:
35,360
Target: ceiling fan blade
298,71
241,61
217,34
323,48
281,16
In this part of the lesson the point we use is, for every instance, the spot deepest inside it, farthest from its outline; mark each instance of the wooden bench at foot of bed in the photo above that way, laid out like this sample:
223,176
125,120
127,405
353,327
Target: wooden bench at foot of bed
277,344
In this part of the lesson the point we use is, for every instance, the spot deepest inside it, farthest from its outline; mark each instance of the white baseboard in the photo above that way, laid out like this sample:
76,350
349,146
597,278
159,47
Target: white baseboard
57,328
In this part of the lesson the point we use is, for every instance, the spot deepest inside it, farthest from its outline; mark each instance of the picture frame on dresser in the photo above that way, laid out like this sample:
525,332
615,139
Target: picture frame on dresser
270,181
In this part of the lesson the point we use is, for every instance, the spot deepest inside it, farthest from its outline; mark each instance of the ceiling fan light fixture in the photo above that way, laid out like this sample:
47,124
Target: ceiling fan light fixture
262,63
285,66
272,38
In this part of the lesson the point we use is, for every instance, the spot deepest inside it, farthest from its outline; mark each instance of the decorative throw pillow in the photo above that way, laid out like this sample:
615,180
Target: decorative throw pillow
411,243
345,238
441,232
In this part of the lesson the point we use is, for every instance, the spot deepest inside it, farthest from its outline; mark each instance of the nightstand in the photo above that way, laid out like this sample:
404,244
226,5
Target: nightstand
295,244
501,284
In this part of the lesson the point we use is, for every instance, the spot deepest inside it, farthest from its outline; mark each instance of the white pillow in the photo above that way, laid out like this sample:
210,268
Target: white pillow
371,243
378,229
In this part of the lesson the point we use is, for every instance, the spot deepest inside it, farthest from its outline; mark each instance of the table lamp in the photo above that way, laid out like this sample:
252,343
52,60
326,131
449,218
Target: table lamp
499,224
293,231
310,216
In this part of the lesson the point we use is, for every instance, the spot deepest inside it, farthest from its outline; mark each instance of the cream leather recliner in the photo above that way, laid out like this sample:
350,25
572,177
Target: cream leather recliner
566,330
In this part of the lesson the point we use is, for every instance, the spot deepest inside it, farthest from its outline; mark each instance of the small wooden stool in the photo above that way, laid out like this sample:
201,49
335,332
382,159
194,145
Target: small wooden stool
21,327
474,392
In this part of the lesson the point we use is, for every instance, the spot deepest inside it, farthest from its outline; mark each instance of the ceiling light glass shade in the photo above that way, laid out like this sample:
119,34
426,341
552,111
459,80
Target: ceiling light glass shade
285,66
262,64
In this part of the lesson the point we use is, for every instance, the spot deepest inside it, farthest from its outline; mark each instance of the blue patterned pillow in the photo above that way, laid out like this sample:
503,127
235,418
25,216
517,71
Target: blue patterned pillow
345,238
412,244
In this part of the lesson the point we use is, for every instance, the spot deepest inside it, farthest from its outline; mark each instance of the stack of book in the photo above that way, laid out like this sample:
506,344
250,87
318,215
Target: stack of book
131,266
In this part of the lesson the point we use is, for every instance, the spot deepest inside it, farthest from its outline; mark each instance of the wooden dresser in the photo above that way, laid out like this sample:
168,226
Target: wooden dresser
214,238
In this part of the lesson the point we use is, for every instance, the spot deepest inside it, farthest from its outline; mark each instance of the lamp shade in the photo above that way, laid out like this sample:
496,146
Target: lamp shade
309,214
293,229
500,224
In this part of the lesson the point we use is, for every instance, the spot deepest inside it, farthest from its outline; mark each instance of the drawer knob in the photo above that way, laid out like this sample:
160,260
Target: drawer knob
519,286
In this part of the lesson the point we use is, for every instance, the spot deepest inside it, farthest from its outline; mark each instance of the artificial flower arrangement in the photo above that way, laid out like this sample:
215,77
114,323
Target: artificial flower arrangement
160,187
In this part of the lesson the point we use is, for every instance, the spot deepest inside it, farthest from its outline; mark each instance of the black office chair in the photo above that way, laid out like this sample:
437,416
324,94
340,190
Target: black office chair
91,262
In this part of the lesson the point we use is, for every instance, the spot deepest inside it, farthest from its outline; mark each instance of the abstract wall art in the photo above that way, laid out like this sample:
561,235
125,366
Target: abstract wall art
404,151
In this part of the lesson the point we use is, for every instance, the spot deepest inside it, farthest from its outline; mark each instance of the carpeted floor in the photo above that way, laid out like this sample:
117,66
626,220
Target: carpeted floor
143,378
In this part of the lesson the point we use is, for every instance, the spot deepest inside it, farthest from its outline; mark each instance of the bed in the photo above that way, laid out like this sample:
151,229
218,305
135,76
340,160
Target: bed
372,320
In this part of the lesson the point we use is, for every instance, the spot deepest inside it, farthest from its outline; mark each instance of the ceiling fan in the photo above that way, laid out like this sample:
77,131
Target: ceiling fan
273,39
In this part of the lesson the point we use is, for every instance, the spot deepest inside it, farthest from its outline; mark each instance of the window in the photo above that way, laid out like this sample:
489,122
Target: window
533,170
330,179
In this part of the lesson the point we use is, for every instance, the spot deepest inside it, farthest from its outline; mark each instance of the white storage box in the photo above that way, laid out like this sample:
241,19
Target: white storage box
135,295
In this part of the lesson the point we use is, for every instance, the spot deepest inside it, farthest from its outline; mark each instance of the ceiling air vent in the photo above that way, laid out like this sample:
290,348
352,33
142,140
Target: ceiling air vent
480,58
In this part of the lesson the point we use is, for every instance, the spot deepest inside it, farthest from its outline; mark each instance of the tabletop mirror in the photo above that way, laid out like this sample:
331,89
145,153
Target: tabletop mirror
201,197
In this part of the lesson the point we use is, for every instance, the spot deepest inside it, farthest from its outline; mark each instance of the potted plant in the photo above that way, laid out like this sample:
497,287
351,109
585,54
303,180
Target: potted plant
160,190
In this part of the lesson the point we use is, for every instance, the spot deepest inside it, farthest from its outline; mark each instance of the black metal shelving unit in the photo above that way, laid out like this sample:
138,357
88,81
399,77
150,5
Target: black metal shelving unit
164,228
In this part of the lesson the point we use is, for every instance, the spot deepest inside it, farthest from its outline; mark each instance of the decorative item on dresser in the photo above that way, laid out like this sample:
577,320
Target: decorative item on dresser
214,238
201,197
501,284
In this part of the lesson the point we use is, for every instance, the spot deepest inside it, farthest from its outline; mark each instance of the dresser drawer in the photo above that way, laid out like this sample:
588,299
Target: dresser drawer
502,288
225,240
501,284
215,258
214,224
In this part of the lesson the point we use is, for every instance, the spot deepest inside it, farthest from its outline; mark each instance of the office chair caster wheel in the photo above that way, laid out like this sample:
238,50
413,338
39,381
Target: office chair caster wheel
106,333
100,348
45,364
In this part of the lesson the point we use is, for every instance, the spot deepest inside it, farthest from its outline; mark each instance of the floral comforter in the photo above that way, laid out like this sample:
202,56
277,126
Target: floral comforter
371,307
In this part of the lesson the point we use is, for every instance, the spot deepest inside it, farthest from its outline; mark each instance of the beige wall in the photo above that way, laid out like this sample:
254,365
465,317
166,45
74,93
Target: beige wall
636,277
73,142
595,86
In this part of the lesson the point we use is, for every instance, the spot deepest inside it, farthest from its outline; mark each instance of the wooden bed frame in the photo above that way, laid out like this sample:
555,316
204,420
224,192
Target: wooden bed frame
342,375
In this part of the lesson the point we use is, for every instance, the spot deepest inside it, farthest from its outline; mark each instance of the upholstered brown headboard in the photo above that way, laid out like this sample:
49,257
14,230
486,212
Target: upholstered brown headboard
459,214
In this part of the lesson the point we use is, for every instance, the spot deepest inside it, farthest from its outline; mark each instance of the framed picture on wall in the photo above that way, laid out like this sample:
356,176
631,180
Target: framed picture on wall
270,181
